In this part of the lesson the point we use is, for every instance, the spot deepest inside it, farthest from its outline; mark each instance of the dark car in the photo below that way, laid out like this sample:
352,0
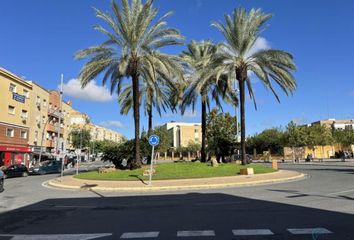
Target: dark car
46,167
2,180
16,170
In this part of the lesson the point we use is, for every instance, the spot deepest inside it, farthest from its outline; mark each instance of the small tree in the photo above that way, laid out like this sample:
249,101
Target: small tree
294,137
80,138
164,143
318,135
270,139
343,137
221,129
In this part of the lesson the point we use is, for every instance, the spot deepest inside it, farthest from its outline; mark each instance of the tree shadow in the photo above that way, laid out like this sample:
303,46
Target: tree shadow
342,170
168,214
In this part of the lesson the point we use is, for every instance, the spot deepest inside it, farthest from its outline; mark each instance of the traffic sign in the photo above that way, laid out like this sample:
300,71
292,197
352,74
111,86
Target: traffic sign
154,140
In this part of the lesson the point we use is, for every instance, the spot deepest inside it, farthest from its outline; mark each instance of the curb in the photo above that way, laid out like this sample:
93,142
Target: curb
300,176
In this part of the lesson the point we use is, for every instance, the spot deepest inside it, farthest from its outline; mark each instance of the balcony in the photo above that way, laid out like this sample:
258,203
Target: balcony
49,143
55,112
54,128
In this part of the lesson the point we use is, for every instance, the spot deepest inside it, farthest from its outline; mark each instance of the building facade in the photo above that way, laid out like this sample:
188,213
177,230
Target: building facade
98,133
182,134
31,117
14,119
38,115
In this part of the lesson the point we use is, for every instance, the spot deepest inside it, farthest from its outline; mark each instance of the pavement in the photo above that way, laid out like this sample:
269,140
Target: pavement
70,182
317,207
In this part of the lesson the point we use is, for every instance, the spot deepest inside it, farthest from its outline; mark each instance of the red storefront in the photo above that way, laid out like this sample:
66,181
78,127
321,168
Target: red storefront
14,155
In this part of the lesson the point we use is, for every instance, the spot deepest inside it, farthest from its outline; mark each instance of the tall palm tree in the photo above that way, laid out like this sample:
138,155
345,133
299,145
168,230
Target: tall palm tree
241,31
131,51
200,57
154,94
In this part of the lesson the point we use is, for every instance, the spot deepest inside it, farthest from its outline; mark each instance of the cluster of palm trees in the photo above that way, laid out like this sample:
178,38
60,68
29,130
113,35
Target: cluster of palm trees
130,61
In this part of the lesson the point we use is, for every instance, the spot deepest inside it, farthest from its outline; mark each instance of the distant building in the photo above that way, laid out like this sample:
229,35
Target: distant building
81,121
181,133
335,124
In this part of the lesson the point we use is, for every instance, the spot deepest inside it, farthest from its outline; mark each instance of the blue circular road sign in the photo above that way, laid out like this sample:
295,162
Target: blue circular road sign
154,140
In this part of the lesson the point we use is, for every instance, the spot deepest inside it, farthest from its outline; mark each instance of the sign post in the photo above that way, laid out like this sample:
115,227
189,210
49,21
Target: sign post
153,141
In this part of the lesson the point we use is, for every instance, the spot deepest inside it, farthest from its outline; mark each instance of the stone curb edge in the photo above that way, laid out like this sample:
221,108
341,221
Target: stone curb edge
300,176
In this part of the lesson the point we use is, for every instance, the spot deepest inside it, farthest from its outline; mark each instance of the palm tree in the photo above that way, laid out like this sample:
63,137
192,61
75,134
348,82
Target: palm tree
155,94
131,51
241,31
200,57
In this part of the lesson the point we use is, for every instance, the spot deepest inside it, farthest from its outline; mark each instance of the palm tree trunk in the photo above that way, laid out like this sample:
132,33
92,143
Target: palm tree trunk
203,153
243,127
136,163
150,121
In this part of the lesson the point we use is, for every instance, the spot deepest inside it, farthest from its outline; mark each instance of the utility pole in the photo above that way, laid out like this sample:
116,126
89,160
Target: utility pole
59,126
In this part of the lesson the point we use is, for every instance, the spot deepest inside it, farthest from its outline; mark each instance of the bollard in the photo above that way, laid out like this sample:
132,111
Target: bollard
275,164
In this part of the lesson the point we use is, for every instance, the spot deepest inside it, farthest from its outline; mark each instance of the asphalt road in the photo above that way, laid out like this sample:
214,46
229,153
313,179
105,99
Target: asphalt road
319,207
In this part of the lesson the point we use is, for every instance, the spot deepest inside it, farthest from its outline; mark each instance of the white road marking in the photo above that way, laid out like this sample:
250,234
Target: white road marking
335,193
203,233
56,236
297,231
251,232
140,235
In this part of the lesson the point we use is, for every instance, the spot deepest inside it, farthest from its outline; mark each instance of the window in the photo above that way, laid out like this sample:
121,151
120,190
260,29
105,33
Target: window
44,103
11,109
26,93
23,134
36,136
10,132
43,119
38,100
196,131
12,88
24,114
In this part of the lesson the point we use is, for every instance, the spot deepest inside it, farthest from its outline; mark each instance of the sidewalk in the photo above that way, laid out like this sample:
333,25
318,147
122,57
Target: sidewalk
69,182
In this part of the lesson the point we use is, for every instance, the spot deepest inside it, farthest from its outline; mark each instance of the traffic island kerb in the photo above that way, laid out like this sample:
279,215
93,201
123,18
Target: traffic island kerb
71,183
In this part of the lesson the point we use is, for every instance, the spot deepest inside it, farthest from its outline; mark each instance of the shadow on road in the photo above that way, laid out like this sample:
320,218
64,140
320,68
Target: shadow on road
168,214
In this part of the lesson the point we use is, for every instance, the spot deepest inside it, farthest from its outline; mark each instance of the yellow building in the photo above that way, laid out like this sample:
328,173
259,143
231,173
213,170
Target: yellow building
15,102
39,101
29,111
98,133
181,134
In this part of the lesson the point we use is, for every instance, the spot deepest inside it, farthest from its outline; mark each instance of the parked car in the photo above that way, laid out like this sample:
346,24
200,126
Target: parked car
2,180
16,170
46,167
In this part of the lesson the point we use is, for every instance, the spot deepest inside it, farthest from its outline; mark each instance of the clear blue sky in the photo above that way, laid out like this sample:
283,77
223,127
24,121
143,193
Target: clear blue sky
39,38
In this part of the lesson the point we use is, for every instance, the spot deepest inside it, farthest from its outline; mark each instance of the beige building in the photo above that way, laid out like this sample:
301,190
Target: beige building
335,124
38,115
80,120
181,134
31,117
15,100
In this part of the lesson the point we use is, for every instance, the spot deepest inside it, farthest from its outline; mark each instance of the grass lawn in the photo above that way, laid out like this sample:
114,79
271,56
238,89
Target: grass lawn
175,171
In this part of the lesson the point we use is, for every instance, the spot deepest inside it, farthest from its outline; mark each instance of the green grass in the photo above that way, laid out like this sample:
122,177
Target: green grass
175,171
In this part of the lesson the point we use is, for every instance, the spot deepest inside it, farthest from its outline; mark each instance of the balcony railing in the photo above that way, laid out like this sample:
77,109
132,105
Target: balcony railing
55,112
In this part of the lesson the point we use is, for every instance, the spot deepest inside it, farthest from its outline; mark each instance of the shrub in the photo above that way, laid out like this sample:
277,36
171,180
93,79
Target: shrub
121,155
